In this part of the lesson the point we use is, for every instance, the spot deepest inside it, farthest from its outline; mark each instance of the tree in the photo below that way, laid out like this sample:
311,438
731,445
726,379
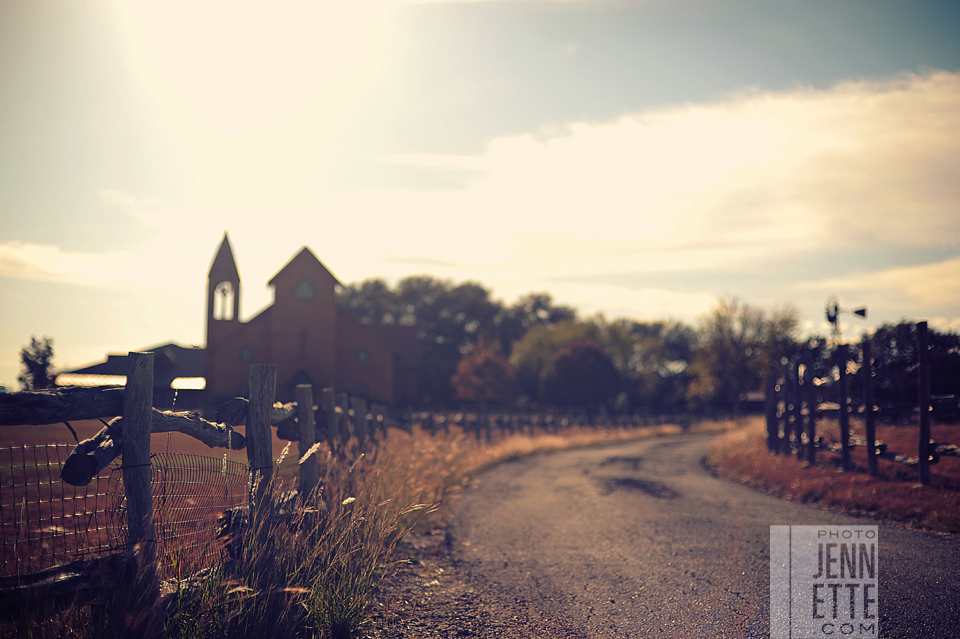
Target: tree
450,319
654,359
36,364
738,343
371,302
896,362
483,375
533,309
540,345
582,374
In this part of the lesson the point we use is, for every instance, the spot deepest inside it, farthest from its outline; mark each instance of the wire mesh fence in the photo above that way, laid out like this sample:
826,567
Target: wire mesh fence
45,522
190,492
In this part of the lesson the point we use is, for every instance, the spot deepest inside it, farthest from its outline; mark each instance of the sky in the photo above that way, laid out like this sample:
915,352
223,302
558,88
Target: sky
638,159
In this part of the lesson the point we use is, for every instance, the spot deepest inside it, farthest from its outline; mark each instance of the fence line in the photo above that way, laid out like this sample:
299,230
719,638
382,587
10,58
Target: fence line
171,502
791,398
135,570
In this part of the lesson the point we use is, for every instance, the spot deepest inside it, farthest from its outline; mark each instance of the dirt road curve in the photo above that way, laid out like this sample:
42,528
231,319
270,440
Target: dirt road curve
638,540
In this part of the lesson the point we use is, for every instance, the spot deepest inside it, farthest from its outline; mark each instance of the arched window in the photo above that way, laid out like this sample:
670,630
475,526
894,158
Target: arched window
223,301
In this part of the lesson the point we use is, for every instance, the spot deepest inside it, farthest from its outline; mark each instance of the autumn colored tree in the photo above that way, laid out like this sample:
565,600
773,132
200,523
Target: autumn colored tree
485,376
582,374
36,371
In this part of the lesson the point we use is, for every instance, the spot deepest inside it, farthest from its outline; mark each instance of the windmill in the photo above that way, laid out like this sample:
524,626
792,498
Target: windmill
833,315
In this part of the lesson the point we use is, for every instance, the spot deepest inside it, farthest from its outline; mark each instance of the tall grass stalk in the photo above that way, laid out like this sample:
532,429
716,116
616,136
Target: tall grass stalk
305,570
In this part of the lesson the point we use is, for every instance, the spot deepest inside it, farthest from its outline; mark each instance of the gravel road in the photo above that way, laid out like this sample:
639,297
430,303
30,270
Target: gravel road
639,540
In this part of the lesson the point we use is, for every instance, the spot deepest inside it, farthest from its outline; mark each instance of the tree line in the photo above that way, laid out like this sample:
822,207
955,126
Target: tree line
479,350
483,351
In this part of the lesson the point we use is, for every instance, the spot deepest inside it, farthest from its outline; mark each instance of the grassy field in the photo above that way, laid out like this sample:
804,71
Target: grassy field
895,495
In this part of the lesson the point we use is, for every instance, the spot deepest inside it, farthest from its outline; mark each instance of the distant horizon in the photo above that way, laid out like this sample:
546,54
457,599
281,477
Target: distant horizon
847,318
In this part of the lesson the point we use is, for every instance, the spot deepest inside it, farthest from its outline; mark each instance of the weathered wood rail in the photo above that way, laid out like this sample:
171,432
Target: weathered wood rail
94,454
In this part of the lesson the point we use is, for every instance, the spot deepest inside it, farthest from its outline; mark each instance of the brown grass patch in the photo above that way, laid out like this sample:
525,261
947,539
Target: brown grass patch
741,456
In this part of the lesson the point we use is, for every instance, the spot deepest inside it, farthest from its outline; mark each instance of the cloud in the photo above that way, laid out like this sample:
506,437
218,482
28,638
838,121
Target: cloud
155,264
934,288
756,177
45,263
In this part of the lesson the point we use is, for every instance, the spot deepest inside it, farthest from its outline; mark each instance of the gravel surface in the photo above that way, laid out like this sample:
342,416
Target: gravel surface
634,540
434,596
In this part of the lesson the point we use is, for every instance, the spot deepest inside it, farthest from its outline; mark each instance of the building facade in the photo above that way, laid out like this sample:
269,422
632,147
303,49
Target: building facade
305,333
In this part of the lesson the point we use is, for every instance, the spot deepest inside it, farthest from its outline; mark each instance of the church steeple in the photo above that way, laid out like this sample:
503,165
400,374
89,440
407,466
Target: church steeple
223,293
224,267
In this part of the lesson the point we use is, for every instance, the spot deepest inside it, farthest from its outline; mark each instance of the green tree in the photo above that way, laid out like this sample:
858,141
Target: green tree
582,374
654,360
371,302
450,319
541,344
36,364
533,309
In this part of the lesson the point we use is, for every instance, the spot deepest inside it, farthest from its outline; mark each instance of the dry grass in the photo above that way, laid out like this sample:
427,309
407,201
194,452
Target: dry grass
895,495
434,468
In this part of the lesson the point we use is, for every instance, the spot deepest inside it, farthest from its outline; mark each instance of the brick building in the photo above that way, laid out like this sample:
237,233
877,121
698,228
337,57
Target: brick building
305,333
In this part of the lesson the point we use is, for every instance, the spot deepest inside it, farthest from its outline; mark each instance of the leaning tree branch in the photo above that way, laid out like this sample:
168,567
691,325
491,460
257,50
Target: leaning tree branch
94,454
234,412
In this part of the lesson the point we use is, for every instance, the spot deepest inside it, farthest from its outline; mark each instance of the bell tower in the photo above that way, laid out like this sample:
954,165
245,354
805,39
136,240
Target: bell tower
223,295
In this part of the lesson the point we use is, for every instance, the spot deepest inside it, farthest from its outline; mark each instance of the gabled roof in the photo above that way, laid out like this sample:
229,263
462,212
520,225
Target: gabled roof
172,359
169,361
224,266
305,260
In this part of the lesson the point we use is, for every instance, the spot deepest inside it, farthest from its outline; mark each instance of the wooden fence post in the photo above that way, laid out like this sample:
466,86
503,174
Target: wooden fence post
797,392
343,401
137,405
770,405
785,414
333,426
263,388
142,541
360,420
843,412
812,407
869,414
923,452
309,470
